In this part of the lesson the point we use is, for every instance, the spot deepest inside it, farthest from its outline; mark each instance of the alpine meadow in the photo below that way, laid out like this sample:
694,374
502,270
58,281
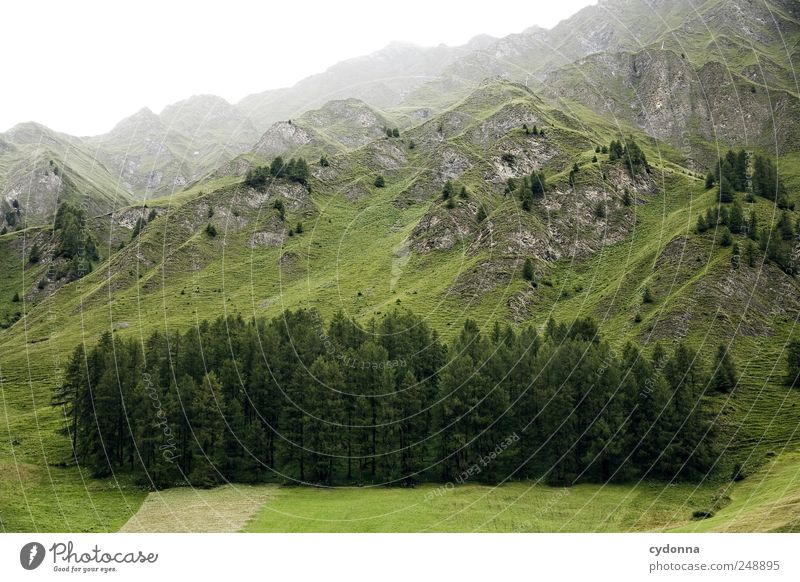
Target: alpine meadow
548,282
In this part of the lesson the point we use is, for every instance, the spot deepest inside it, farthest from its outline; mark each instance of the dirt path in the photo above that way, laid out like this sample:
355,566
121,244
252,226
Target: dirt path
223,509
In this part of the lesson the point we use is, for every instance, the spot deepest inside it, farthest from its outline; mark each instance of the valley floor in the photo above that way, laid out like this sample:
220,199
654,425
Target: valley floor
58,500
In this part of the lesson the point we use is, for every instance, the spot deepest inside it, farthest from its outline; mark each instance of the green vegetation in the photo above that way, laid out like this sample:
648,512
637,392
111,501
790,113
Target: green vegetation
314,381
630,153
471,507
296,170
530,189
348,257
527,270
76,242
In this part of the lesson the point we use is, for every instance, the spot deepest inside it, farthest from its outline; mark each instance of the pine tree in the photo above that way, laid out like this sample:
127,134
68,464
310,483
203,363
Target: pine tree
447,190
325,415
207,427
280,207
725,238
740,166
691,453
35,254
752,226
527,270
277,167
736,218
701,224
724,377
725,193
751,254
793,363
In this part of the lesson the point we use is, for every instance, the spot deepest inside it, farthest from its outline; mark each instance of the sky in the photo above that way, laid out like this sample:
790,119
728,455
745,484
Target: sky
81,66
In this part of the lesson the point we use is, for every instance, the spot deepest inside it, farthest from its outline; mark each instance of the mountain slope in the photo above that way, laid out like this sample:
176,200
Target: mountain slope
154,155
39,168
666,96
600,238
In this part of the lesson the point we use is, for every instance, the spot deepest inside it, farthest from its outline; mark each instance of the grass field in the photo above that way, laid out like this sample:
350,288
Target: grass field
515,507
51,499
769,500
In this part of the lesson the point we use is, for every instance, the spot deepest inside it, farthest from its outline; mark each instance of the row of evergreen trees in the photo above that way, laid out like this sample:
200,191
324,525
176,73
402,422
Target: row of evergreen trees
295,170
292,400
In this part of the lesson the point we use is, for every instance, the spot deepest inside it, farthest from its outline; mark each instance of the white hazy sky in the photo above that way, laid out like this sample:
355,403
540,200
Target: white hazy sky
81,66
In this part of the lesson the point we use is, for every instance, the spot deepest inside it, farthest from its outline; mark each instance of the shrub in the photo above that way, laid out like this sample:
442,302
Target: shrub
527,270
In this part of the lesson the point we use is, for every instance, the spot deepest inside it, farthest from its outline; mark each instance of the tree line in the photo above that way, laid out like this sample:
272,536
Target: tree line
294,400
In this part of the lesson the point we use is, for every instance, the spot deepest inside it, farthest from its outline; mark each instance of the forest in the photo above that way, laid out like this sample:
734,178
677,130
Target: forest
296,400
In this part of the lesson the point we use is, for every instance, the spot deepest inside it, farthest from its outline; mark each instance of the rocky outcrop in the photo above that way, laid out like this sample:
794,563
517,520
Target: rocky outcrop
661,92
283,138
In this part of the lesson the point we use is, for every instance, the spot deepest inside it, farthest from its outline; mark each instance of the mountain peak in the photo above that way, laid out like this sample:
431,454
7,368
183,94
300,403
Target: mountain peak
202,101
29,132
480,42
142,119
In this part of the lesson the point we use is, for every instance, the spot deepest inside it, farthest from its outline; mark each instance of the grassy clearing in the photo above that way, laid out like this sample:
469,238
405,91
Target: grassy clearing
768,501
515,507
223,509
36,498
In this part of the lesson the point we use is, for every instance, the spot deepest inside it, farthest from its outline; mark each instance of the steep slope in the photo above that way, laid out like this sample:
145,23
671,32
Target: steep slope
338,126
153,155
39,168
663,94
610,25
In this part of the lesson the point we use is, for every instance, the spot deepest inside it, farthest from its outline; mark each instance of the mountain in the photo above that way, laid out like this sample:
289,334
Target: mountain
338,126
382,79
738,89
500,201
154,155
39,168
